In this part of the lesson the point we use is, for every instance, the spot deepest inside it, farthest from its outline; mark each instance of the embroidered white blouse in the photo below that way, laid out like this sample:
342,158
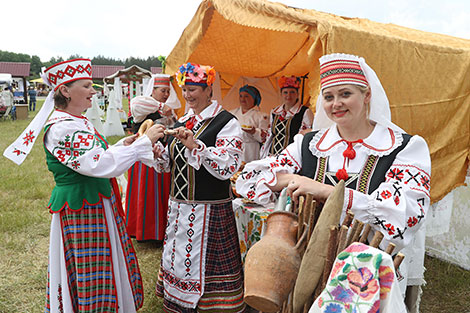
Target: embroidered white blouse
260,122
397,207
73,141
307,121
222,160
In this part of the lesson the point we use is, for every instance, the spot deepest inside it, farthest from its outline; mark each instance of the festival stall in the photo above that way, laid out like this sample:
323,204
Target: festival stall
425,75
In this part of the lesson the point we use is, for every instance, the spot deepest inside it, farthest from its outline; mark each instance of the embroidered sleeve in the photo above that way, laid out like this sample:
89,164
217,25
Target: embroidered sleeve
261,130
77,147
255,178
162,163
268,140
223,159
398,207
307,120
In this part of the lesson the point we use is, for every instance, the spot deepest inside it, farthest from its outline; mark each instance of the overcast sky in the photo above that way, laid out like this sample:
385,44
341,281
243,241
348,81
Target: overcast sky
143,28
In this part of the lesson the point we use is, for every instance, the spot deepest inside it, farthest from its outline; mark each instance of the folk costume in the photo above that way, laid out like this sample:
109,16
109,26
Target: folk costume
92,263
201,265
252,118
147,191
387,174
285,123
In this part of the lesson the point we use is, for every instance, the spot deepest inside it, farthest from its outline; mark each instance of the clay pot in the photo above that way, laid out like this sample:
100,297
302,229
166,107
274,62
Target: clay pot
272,264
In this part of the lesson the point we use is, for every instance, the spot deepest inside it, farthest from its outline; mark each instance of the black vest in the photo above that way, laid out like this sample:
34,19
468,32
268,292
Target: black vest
371,176
188,184
283,132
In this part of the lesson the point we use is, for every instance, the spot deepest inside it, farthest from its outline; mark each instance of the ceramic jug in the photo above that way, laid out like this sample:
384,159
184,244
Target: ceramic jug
272,264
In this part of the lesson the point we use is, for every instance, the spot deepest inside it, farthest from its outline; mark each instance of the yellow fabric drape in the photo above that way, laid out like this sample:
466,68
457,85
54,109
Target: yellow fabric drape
425,75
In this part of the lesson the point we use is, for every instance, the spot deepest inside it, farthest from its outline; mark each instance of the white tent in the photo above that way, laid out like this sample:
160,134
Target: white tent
113,126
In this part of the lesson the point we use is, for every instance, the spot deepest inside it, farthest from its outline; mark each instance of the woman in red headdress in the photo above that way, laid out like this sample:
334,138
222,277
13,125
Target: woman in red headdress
288,119
92,263
147,191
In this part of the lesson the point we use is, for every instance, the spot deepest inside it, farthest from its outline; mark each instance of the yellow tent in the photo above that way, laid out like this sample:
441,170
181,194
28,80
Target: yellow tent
37,80
426,75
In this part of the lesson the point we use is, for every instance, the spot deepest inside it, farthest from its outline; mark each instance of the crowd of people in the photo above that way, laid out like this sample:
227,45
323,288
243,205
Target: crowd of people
179,191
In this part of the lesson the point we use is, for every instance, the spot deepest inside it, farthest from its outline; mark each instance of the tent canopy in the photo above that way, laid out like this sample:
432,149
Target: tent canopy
424,74
132,73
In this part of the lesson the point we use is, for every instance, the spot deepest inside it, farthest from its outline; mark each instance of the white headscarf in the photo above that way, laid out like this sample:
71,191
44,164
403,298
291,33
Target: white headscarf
141,106
379,105
172,101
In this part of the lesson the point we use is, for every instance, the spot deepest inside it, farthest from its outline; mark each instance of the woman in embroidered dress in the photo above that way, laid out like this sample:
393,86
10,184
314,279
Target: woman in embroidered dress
387,172
147,191
253,122
288,119
201,264
92,263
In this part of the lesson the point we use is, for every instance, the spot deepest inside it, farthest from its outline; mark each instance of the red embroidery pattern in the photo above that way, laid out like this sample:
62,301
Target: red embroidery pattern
29,138
73,146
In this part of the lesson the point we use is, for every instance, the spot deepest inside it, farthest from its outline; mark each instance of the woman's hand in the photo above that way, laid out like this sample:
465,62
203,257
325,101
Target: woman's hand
186,137
166,110
250,130
129,140
155,132
301,185
157,151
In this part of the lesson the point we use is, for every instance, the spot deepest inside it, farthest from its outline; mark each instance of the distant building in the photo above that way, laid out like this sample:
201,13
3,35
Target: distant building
19,71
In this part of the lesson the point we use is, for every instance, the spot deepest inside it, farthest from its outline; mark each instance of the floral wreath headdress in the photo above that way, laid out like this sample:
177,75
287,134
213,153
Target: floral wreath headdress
289,82
195,74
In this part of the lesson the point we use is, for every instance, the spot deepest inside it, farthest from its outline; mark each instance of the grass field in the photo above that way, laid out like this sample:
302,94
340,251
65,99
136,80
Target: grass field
24,241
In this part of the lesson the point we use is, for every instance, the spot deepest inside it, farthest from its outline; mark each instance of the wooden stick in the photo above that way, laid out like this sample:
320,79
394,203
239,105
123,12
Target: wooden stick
352,231
365,233
357,233
390,248
300,213
301,205
342,238
316,210
312,221
398,259
348,219
378,236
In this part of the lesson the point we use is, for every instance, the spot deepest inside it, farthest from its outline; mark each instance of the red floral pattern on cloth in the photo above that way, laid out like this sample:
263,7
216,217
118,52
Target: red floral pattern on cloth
362,280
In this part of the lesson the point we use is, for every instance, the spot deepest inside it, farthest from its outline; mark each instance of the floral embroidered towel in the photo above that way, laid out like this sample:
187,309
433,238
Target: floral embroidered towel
362,281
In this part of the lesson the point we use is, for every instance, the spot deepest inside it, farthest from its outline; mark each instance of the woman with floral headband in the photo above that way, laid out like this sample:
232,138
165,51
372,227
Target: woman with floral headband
288,119
201,265
147,191
386,171
92,263
254,123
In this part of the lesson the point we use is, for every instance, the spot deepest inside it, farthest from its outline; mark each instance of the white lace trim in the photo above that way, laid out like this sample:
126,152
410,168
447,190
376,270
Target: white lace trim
322,154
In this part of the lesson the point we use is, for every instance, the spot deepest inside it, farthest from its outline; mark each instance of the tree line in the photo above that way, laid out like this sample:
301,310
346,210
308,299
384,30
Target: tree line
37,64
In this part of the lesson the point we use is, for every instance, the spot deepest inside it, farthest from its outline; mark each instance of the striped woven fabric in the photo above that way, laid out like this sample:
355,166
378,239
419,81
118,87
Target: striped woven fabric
147,202
340,71
133,270
223,286
88,259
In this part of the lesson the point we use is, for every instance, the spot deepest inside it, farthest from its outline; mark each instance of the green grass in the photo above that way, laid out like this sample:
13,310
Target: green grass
24,241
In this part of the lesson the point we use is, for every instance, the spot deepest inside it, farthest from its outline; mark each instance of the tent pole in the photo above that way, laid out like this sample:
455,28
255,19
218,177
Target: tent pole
303,88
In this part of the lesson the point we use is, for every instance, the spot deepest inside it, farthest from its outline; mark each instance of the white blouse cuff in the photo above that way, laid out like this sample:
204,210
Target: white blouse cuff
194,156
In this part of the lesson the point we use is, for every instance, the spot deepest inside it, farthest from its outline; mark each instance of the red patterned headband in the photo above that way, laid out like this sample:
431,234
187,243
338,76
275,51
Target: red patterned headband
162,81
68,71
340,72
